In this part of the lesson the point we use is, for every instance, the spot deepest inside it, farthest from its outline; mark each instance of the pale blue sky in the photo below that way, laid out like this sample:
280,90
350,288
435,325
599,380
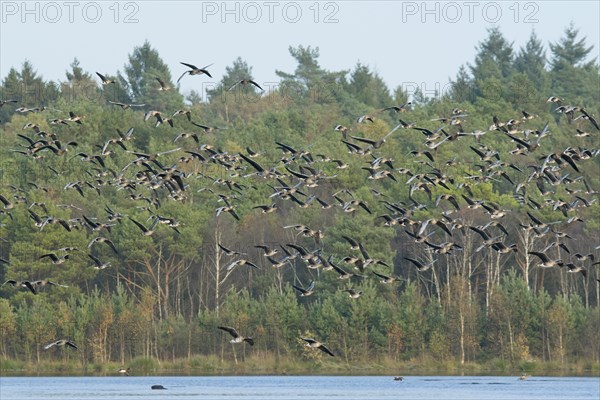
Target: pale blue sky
407,42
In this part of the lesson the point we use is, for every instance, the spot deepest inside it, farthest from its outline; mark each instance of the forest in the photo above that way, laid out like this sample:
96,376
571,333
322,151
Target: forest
398,229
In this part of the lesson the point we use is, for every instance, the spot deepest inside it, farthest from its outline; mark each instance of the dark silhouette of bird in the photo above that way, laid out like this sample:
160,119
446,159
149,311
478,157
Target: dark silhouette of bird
193,71
245,82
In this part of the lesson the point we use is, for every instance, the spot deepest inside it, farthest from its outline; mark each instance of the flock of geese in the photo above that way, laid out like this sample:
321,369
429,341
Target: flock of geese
298,172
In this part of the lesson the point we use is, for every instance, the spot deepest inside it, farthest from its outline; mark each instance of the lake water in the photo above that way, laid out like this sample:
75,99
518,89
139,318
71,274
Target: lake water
301,387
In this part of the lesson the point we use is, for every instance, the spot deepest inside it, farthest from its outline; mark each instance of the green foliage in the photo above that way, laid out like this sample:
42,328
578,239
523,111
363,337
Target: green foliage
163,295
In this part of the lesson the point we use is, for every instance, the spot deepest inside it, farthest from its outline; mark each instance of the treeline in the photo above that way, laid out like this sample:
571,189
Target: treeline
163,294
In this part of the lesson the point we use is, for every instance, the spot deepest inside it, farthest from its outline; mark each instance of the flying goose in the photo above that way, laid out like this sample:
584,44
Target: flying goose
99,264
315,344
246,82
61,343
25,284
104,79
546,262
240,262
420,266
353,294
101,239
193,71
125,106
145,231
55,259
386,279
237,338
163,86
305,292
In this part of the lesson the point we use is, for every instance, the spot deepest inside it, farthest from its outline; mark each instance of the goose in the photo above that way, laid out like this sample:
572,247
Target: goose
46,282
75,118
8,205
354,245
343,130
125,106
207,129
315,344
101,239
230,252
305,292
420,266
237,338
353,294
163,86
268,252
145,231
576,268
448,197
104,79
246,82
61,343
400,108
240,262
194,71
502,248
386,279
55,259
3,102
187,113
546,262
25,284
99,264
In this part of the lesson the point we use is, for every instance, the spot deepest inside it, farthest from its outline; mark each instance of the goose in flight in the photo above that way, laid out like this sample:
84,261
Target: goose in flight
546,262
315,344
25,284
237,338
194,71
163,86
101,239
353,294
61,343
246,82
145,231
104,79
55,259
230,252
125,106
99,264
305,292
241,261
420,266
386,279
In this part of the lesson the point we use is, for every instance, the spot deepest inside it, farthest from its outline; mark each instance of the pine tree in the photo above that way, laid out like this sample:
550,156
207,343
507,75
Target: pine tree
531,61
569,51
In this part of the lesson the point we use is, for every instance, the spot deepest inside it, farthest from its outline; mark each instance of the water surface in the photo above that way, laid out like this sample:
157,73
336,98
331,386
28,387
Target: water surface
301,387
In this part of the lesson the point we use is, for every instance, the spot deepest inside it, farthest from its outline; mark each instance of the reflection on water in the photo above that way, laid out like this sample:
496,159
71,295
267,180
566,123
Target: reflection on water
301,387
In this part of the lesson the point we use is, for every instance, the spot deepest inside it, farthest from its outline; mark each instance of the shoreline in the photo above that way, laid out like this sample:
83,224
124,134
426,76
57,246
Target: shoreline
204,367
